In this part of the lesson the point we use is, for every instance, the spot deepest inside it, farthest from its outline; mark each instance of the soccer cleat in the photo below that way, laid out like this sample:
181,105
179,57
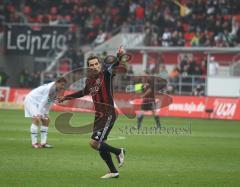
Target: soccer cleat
120,158
46,146
36,145
110,175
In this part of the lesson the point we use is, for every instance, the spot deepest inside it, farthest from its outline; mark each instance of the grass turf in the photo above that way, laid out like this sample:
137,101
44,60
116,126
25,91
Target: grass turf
208,155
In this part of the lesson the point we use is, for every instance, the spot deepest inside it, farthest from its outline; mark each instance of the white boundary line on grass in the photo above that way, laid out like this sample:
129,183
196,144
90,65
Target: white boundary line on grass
117,138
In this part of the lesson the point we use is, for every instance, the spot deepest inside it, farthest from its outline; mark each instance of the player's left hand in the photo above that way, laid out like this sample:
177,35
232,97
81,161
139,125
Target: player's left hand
61,99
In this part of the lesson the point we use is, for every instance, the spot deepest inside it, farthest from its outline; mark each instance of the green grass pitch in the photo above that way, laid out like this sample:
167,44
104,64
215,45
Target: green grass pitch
208,155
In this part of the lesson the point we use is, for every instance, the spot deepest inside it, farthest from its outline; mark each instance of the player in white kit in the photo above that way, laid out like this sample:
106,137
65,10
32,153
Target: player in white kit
37,105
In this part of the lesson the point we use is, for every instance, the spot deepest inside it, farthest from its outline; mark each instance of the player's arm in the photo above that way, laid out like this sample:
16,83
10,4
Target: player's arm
114,67
74,95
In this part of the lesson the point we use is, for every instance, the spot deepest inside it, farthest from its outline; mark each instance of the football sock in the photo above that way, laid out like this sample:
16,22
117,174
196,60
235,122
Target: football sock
34,133
139,120
157,121
106,156
107,148
44,132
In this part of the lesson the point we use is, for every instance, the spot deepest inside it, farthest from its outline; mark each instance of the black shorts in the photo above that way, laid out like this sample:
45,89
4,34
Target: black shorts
102,127
148,104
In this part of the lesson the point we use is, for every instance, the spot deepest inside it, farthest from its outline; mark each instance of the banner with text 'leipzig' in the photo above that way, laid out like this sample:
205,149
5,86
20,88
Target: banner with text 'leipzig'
35,40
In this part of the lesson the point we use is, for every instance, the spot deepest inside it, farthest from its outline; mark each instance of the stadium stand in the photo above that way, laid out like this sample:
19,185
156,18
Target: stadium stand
187,23
201,23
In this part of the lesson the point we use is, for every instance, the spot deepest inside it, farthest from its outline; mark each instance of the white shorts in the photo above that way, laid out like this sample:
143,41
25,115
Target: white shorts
31,109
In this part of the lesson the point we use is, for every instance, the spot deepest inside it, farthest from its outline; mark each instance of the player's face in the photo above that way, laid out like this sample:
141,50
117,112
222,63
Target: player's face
94,64
60,86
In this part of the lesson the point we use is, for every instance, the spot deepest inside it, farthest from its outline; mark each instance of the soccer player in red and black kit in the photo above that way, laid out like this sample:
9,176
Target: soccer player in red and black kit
99,86
148,101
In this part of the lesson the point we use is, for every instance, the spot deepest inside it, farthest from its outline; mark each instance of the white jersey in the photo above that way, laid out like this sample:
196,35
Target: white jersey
40,99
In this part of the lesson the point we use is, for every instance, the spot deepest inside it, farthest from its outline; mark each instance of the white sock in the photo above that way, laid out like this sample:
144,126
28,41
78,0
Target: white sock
44,132
34,133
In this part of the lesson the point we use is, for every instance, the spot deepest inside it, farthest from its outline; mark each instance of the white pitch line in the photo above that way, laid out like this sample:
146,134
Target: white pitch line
117,138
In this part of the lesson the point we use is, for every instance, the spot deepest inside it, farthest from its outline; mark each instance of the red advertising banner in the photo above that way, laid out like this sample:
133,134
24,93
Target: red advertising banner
18,95
192,106
4,94
225,108
126,103
197,107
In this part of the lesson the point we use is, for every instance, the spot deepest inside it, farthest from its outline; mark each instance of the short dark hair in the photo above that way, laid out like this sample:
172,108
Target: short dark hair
61,79
92,57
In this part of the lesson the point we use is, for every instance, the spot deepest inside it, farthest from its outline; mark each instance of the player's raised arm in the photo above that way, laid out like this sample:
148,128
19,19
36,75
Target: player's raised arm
118,62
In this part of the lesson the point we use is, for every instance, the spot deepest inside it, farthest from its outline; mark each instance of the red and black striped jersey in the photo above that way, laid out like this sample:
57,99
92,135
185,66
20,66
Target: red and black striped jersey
149,87
101,90
100,87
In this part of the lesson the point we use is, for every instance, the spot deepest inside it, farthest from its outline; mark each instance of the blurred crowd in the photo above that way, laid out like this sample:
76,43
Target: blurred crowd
90,19
3,77
188,66
165,23
192,23
188,76
29,80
